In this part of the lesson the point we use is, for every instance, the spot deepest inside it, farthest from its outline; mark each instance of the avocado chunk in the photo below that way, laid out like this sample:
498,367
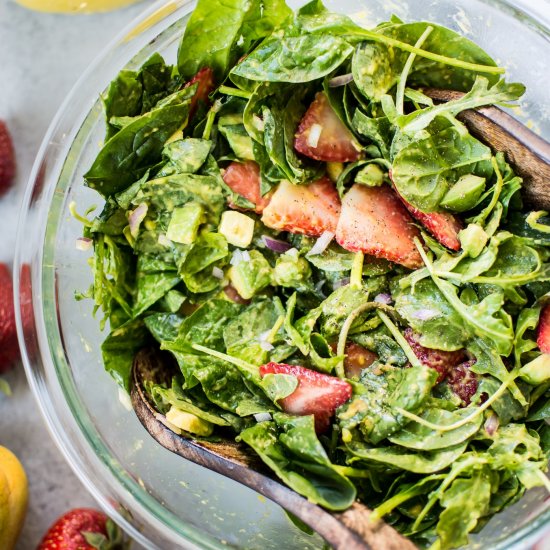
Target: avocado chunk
293,271
250,276
237,228
464,194
185,222
189,422
473,239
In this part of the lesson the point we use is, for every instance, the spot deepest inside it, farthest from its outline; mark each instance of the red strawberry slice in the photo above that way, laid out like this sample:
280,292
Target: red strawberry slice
9,348
244,179
357,359
462,381
442,361
444,226
206,85
317,394
308,209
374,221
323,136
543,332
84,529
7,159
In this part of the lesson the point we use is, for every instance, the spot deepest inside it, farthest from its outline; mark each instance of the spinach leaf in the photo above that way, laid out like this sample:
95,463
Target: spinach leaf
425,169
249,335
138,146
187,155
295,59
119,348
156,78
205,326
123,98
372,410
429,313
151,287
217,38
163,326
291,449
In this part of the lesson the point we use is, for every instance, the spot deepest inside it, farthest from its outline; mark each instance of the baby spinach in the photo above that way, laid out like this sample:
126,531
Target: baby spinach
291,449
425,169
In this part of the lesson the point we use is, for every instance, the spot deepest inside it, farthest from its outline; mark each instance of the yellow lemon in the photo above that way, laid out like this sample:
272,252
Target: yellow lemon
13,498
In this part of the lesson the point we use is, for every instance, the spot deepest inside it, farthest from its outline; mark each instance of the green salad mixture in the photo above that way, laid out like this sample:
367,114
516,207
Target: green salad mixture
346,277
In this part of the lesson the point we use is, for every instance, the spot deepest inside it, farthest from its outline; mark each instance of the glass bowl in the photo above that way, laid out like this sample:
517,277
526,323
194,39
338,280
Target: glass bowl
160,499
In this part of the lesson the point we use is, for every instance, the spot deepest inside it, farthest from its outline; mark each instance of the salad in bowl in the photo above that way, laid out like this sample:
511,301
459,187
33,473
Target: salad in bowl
348,280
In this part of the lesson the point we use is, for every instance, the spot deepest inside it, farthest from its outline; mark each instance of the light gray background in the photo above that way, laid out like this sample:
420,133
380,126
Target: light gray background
41,56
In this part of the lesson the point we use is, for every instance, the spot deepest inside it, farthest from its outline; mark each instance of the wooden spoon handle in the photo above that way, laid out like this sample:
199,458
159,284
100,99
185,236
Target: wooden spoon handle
525,150
349,530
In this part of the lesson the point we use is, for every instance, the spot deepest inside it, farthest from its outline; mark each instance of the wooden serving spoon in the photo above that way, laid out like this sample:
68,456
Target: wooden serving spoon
352,529
349,530
525,150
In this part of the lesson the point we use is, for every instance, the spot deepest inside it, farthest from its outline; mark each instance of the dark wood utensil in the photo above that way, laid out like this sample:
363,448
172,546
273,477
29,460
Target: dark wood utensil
525,150
352,529
349,530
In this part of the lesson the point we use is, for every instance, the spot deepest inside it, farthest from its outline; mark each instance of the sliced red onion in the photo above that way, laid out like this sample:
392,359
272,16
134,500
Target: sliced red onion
83,243
342,282
262,417
275,244
340,80
321,243
246,256
491,424
383,298
313,135
237,257
217,272
135,219
426,314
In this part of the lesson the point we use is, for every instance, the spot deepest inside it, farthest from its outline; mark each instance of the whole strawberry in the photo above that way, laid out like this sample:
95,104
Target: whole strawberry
84,529
7,159
9,348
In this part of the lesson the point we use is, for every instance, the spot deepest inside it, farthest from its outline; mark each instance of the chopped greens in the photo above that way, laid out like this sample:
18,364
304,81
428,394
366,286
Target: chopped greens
407,373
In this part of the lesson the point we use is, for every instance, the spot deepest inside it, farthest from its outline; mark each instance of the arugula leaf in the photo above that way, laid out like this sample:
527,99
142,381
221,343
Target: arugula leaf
480,94
464,502
421,462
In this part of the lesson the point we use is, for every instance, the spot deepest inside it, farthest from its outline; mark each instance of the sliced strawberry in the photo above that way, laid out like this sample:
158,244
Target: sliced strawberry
444,226
462,381
317,394
206,85
9,348
308,209
374,221
442,361
7,159
543,332
323,136
244,179
357,359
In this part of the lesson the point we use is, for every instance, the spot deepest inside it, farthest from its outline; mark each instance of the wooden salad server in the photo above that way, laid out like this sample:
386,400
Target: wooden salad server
526,151
349,530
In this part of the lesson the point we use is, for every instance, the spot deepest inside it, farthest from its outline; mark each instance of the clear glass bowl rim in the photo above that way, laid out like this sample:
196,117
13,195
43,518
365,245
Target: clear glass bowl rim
520,538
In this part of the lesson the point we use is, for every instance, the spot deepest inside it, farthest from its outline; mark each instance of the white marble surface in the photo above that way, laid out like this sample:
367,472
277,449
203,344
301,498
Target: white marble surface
40,57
